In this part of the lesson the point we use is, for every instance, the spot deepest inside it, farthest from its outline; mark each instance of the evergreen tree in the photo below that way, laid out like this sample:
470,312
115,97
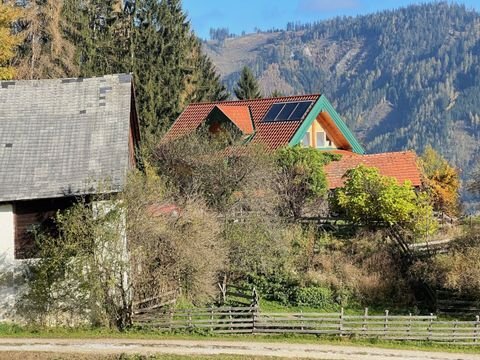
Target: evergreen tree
8,41
276,93
208,86
169,66
101,30
247,86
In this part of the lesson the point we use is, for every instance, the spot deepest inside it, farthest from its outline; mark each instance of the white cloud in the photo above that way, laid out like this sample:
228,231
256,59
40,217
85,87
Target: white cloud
327,5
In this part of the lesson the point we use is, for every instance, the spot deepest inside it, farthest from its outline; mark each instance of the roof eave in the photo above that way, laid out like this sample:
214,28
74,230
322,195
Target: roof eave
322,104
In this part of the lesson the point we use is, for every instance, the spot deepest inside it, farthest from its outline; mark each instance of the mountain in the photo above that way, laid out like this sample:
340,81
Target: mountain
401,79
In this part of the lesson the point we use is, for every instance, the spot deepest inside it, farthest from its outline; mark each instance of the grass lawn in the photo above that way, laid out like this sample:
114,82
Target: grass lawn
15,331
272,306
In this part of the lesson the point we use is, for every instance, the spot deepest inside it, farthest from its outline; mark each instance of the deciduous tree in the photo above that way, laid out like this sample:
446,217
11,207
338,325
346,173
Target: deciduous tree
369,197
45,52
442,181
8,40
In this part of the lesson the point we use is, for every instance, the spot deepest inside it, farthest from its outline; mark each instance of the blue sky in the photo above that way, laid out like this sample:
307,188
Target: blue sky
245,15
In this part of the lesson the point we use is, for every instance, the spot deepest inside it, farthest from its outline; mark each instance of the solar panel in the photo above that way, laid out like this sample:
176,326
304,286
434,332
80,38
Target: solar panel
300,110
286,111
273,112
292,111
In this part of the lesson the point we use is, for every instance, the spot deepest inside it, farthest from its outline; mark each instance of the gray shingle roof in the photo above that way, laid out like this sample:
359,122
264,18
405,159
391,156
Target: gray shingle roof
63,136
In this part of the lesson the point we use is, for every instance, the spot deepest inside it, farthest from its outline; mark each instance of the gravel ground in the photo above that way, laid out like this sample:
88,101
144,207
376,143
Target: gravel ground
26,349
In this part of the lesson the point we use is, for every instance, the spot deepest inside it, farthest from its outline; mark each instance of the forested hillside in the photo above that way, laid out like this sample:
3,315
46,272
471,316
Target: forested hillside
401,79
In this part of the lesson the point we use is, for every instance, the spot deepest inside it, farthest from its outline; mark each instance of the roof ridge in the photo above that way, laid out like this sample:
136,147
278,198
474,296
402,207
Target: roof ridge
393,153
106,76
223,102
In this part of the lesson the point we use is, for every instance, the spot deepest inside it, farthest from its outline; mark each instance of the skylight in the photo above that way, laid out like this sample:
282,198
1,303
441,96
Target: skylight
291,111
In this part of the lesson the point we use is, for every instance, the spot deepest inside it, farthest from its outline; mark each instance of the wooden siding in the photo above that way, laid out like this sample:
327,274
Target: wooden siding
28,215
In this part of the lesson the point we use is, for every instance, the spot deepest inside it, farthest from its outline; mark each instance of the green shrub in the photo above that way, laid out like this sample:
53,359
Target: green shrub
302,177
276,287
315,296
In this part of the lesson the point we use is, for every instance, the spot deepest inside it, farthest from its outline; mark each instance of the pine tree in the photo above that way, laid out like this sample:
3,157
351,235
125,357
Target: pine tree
247,86
169,67
45,53
208,86
8,41
101,31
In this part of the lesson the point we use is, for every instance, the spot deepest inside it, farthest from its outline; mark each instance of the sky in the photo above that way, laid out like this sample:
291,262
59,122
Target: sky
246,15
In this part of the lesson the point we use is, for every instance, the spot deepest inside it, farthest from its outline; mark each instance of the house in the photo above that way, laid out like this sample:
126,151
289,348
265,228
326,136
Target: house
60,139
309,120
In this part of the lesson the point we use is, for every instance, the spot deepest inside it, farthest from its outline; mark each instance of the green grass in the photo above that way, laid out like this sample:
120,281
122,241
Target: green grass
273,306
16,331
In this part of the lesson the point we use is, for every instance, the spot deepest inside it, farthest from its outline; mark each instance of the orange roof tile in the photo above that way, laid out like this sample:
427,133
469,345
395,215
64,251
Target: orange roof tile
240,116
274,134
400,165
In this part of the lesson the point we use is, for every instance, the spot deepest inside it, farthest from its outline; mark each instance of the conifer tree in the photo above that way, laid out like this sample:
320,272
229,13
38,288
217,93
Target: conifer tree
8,41
101,30
169,67
247,86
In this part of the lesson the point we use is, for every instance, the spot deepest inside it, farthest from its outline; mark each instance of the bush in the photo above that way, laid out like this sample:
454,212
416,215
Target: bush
276,287
302,177
315,296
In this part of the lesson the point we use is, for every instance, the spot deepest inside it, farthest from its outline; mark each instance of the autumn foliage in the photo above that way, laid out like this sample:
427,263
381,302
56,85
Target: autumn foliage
442,181
8,40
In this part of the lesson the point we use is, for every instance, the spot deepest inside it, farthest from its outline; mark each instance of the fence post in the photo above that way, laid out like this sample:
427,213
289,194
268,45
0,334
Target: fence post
254,319
477,323
211,317
189,318
301,320
430,327
341,322
385,326
364,326
409,328
455,325
230,316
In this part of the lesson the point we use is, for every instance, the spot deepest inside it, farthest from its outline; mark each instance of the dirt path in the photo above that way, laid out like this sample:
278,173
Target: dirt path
201,347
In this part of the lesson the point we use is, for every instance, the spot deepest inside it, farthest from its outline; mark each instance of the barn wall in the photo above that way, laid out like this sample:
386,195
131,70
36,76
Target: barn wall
7,233
9,269
34,213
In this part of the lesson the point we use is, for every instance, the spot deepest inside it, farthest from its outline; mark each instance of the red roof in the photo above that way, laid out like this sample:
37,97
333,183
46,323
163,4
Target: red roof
272,134
400,165
240,116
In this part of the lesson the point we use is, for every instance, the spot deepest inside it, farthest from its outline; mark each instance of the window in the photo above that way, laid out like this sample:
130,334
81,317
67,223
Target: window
321,140
306,139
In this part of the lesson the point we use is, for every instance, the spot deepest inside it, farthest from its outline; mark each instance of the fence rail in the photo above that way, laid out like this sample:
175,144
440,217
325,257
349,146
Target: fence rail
251,320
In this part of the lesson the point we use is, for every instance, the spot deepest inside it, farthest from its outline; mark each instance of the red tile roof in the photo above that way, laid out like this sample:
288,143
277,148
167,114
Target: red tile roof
240,115
273,134
400,165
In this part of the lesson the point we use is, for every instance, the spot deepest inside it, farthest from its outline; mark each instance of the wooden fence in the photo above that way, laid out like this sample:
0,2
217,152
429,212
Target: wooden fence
235,320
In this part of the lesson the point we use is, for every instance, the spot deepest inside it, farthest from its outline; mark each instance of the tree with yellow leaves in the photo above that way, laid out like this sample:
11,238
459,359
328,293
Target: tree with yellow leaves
8,40
442,181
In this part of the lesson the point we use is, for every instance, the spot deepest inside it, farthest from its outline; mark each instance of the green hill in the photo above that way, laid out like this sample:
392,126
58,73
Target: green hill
402,79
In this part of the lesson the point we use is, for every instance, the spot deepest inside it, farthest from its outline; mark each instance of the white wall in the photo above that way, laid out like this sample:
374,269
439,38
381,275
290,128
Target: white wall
8,266
7,233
